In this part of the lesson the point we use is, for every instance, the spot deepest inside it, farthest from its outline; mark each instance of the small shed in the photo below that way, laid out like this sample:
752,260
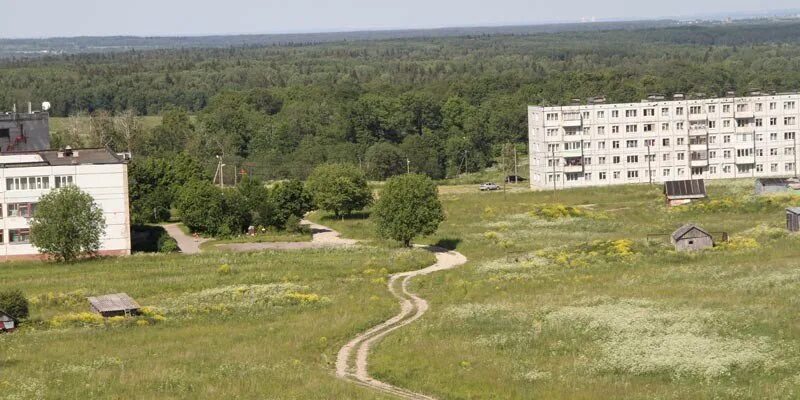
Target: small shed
683,192
793,219
691,237
7,324
777,185
113,305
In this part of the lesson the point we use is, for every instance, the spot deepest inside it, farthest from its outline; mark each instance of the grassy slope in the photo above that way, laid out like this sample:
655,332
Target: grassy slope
265,352
492,331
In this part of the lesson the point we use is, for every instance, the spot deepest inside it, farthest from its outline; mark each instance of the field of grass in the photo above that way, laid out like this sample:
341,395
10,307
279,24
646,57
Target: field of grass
585,306
267,326
268,237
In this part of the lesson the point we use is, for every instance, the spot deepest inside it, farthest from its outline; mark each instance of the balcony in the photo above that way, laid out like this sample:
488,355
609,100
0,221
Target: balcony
744,145
698,147
745,159
698,117
573,168
699,163
572,153
698,132
744,115
572,123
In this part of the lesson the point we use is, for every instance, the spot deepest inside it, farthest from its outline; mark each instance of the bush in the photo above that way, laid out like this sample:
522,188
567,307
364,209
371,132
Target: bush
294,225
67,224
166,244
14,303
289,199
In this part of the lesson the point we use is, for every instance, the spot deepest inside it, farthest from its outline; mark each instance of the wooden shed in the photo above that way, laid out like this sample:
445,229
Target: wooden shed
691,237
793,219
777,185
683,192
113,305
7,324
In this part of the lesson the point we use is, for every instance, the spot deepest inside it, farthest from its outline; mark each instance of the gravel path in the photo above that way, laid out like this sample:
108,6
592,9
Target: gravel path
187,243
352,360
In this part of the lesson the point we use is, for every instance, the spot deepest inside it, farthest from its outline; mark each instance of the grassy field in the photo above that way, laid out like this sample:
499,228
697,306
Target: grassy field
586,306
267,326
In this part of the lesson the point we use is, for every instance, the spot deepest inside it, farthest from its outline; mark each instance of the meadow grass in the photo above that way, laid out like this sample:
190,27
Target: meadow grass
267,326
580,304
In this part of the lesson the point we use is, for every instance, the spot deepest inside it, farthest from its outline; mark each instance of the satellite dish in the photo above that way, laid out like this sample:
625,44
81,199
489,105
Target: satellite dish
45,106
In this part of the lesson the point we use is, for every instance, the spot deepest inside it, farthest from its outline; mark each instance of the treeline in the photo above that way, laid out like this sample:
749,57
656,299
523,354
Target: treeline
437,106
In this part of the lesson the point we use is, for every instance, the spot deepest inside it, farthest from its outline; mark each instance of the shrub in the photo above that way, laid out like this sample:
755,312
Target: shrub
294,225
556,211
224,269
67,224
289,199
14,303
166,244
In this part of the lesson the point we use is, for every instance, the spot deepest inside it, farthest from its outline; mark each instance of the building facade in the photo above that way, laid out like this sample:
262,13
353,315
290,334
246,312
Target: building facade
24,131
663,140
26,176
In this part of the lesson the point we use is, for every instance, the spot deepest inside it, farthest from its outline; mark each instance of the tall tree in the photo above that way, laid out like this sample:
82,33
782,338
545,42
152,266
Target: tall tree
408,207
67,224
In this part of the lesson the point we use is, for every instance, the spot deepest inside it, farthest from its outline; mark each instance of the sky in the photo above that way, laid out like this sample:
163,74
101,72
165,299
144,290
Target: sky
50,18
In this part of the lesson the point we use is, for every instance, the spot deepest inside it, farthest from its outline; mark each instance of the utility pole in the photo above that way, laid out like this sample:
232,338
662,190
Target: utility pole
408,165
516,172
794,138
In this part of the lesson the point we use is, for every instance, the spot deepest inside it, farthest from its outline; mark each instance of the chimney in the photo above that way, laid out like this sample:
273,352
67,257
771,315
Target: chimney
30,110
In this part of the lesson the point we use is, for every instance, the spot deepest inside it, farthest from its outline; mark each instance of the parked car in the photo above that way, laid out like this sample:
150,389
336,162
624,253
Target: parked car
489,186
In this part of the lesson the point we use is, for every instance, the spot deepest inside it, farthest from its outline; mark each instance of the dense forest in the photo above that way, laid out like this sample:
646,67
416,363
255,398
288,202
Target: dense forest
444,104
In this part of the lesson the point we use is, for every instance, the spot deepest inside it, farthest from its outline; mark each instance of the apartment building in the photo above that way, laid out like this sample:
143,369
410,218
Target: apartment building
24,131
26,176
659,140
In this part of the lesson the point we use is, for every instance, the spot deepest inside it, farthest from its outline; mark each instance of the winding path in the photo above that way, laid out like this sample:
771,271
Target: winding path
352,360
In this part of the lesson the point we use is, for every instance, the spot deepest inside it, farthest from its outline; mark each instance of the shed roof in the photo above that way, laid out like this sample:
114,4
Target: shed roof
4,317
689,189
682,231
794,210
774,181
113,302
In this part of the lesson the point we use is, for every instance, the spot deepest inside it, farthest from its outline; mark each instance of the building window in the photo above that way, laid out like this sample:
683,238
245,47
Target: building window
630,113
665,172
632,159
616,174
726,154
773,106
760,168
631,144
615,129
695,110
680,141
678,110
726,123
773,167
615,144
25,210
552,116
773,121
790,120
550,132
665,142
601,130
601,114
712,109
28,183
647,127
788,136
759,122
665,157
571,177
19,236
615,114
726,139
602,176
712,124
712,154
773,136
741,107
62,181
631,128
726,169
681,156
712,170
665,126
773,152
649,112
633,174
789,105
650,142
601,160
615,159
726,108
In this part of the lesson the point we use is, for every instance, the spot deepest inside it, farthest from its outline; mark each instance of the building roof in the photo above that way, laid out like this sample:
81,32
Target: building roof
794,210
682,231
113,303
59,158
689,189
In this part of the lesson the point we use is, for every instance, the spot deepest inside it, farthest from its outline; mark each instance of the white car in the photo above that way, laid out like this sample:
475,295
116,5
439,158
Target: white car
489,186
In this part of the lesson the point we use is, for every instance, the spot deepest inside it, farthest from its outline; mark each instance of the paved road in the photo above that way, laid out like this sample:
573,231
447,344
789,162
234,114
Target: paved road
186,243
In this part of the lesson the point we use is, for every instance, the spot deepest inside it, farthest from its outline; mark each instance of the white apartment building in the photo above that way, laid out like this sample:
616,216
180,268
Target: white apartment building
662,140
25,177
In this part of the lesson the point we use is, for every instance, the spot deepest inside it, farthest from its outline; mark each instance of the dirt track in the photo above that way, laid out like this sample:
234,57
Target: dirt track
352,360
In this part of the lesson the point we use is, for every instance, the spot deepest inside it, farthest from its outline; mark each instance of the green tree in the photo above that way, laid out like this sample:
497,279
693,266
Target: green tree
289,198
14,303
384,160
408,207
339,188
425,154
67,224
201,206
171,135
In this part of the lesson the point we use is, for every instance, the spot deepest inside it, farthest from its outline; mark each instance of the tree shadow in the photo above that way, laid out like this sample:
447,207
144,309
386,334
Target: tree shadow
448,243
360,215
